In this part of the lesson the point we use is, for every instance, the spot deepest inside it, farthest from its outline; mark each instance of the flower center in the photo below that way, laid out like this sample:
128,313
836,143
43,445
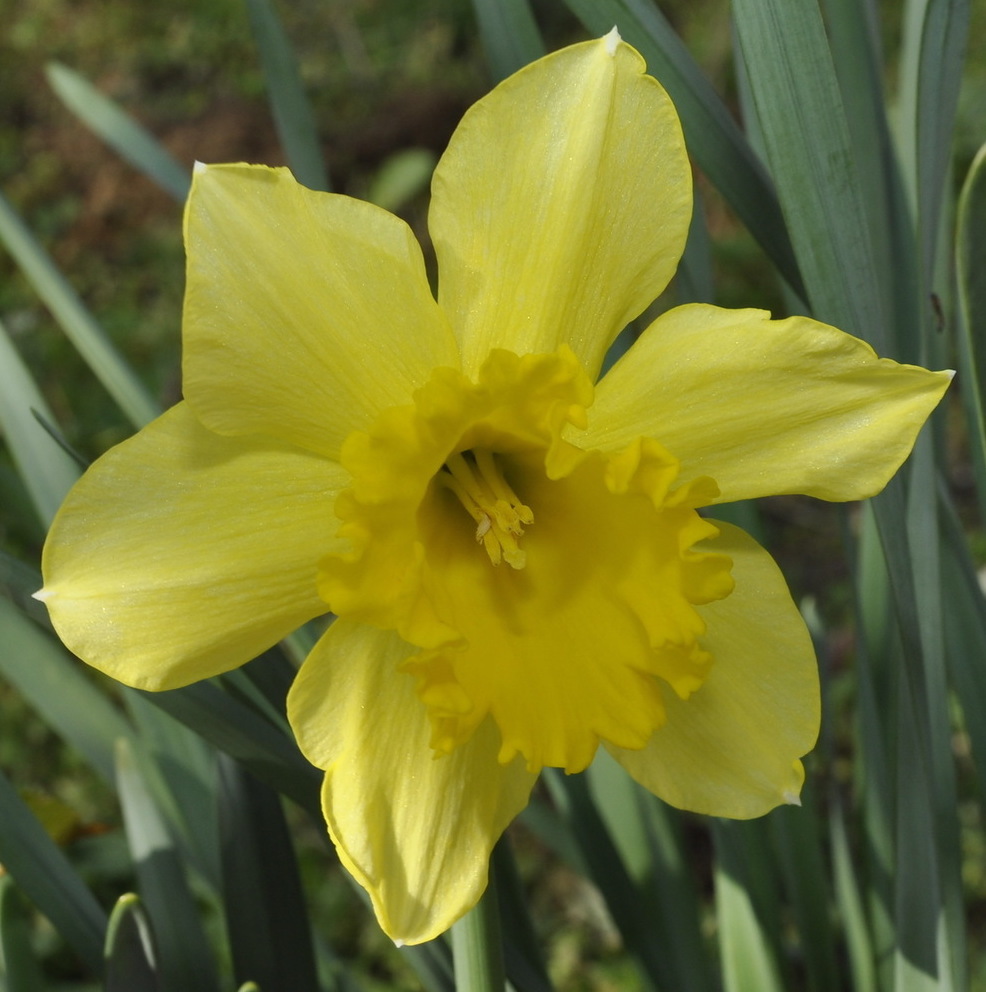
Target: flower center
476,479
595,620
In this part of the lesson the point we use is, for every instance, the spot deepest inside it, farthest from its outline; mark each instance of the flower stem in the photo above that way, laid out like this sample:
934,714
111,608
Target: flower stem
477,948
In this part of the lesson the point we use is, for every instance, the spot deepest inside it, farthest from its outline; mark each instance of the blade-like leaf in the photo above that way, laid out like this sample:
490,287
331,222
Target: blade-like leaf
935,36
970,265
608,871
521,949
179,769
21,966
241,733
401,177
46,877
854,33
47,471
859,944
965,634
54,683
130,957
806,138
18,583
797,841
268,926
509,34
292,112
747,908
648,836
119,130
185,960
75,320
942,797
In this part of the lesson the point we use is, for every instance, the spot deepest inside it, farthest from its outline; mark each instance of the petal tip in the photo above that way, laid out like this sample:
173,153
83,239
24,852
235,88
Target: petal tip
199,167
791,798
612,40
42,595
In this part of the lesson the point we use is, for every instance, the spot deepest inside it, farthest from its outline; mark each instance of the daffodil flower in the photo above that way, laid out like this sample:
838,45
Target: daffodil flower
513,549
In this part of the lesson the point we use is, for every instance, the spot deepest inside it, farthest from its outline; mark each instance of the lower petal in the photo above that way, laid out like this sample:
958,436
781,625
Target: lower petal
415,830
733,748
181,554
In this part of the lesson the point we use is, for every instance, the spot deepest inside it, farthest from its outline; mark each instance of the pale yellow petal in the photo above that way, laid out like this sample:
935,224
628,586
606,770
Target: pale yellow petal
181,554
561,206
733,747
415,830
765,407
306,314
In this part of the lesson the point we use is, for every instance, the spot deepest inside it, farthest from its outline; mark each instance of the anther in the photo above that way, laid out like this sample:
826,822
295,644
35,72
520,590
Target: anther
500,516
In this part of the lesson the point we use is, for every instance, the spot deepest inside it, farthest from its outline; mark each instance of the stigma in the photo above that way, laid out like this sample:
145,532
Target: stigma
477,481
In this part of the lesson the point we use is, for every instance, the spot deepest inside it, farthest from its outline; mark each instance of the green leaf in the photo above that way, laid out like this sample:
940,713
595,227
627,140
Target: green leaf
47,471
713,137
859,944
46,877
23,970
119,130
970,266
179,768
185,960
854,35
795,832
746,908
809,151
509,34
58,688
18,583
747,964
965,635
286,93
477,946
239,732
130,956
935,37
608,871
649,839
521,948
268,926
75,320
878,671
401,177
946,913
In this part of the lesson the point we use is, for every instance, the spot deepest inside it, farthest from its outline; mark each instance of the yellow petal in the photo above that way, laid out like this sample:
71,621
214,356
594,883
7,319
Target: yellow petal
733,747
181,554
561,205
765,406
305,313
416,831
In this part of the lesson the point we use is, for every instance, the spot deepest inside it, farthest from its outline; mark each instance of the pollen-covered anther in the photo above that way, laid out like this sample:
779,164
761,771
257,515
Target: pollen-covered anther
476,479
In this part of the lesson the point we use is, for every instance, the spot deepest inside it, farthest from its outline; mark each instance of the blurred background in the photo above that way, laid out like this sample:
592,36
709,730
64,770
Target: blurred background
388,81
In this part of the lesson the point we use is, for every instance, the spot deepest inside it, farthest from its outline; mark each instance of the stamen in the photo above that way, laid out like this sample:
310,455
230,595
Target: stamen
500,516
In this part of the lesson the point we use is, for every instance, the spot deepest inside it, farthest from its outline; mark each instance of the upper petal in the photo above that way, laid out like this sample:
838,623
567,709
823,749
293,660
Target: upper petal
561,206
732,748
181,554
305,313
765,407
416,831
